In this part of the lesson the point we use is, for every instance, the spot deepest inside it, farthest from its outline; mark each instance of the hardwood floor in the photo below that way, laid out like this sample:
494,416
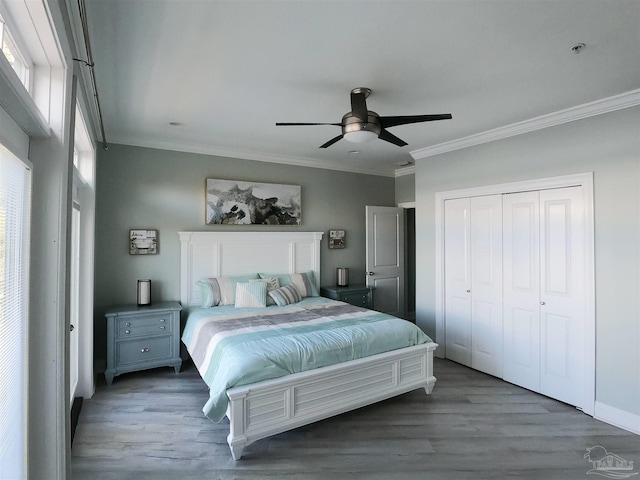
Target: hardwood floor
149,425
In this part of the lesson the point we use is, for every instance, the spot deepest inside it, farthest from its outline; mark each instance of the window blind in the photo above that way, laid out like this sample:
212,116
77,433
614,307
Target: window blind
15,209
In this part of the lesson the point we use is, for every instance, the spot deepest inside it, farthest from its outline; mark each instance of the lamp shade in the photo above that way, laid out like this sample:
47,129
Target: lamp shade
342,277
360,136
144,293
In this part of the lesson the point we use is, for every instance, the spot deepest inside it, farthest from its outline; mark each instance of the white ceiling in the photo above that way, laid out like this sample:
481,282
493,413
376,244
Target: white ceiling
229,70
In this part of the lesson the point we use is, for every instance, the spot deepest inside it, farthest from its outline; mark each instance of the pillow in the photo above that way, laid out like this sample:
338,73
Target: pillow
304,282
272,284
220,290
251,295
285,295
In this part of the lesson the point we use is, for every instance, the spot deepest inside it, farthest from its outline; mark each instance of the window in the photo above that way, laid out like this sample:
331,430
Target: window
81,383
15,200
83,152
13,55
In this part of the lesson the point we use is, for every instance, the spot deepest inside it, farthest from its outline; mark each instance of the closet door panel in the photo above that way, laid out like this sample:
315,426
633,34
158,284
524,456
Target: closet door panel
486,284
521,334
457,280
524,352
562,293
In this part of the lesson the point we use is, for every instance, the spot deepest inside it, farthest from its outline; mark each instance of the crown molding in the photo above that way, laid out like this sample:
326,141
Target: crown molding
248,155
598,107
401,172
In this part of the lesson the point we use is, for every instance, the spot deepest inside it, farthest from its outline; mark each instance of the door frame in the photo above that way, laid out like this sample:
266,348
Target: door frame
582,179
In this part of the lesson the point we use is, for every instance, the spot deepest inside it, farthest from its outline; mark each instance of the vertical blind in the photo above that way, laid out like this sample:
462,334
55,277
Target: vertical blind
15,203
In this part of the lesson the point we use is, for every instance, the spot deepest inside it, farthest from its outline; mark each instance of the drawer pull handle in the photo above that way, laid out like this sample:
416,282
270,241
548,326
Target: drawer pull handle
162,327
127,331
162,320
127,324
144,350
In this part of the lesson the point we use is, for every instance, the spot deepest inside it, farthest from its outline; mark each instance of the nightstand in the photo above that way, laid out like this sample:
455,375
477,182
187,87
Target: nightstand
358,295
142,337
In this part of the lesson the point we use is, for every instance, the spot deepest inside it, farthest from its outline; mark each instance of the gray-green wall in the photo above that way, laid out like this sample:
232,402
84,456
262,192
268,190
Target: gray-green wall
165,190
609,146
406,188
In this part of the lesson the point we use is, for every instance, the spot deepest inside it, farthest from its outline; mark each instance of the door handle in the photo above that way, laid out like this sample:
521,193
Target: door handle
542,303
370,273
71,328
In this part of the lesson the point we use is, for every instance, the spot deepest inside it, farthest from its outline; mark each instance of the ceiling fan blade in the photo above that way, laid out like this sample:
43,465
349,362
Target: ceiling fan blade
279,124
359,105
391,138
406,119
331,142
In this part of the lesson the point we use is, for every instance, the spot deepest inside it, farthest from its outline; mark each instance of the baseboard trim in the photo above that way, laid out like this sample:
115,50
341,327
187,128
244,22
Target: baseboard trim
619,418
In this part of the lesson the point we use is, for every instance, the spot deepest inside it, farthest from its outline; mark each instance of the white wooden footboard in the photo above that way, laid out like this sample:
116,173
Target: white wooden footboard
266,408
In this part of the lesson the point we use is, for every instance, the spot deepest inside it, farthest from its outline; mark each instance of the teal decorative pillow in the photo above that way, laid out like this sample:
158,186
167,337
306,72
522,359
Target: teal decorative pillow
272,284
304,282
251,295
285,295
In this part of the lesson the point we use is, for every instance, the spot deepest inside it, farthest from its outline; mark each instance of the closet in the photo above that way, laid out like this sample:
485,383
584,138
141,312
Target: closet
514,288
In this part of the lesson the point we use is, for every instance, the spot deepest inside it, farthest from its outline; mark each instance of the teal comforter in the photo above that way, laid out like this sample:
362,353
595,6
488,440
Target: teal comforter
238,346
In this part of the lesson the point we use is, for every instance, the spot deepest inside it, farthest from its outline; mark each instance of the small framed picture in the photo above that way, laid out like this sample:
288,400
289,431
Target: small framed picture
143,242
337,239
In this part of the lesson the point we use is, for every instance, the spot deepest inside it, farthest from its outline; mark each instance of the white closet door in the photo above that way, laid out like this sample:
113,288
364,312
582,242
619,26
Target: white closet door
521,341
457,280
562,294
486,284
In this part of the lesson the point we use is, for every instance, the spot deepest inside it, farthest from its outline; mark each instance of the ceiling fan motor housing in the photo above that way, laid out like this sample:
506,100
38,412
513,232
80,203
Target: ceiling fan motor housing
351,123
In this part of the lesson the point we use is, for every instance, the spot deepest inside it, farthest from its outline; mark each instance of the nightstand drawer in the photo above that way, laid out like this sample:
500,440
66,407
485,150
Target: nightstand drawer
357,299
142,326
357,295
145,350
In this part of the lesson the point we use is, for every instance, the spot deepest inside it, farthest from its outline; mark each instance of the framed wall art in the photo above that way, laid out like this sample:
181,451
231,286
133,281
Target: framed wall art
337,239
234,202
143,242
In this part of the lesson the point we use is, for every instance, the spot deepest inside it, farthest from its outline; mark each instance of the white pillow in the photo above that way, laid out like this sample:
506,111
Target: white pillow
251,295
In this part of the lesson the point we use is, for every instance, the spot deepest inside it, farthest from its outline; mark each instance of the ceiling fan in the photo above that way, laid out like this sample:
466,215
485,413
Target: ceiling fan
362,125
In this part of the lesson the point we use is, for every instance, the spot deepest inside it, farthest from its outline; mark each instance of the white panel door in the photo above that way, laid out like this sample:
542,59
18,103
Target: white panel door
457,251
385,258
521,266
486,284
562,294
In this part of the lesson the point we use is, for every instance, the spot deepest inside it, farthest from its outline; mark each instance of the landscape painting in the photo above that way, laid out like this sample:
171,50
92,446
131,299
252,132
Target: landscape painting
235,202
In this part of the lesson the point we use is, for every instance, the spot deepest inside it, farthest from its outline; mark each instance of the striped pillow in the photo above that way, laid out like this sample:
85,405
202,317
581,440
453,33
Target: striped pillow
304,282
251,295
285,295
220,290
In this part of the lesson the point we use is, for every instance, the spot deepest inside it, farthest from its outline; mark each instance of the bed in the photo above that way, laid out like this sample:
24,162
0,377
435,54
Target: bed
332,357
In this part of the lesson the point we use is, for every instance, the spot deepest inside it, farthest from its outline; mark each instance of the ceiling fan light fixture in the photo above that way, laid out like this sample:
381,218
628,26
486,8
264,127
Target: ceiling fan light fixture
360,136
355,130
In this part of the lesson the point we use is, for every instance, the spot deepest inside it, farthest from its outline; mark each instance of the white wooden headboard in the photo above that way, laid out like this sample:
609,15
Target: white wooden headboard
214,254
